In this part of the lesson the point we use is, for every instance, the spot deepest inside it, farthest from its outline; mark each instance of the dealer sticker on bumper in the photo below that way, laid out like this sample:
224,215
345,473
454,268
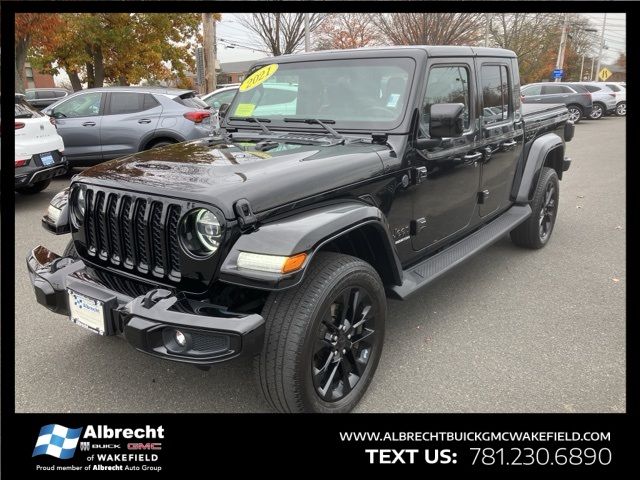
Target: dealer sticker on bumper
86,312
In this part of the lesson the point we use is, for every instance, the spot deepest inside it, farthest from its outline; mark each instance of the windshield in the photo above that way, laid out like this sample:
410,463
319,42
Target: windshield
363,94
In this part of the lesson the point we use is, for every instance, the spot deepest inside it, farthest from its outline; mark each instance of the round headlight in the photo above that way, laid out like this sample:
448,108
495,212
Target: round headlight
79,204
201,232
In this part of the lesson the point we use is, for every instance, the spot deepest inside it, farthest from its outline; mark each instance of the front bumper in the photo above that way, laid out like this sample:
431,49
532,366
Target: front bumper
25,176
148,322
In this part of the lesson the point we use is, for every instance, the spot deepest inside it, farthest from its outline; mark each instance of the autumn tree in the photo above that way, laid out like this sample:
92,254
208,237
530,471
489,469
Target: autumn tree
280,33
33,28
431,28
121,48
621,61
346,30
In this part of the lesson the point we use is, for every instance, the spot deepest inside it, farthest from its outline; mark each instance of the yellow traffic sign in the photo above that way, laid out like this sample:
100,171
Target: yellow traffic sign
604,74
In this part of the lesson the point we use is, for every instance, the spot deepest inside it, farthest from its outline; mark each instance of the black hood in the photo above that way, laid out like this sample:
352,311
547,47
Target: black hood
217,172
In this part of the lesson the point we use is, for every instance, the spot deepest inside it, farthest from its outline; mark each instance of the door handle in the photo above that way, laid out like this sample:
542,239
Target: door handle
144,120
472,157
89,124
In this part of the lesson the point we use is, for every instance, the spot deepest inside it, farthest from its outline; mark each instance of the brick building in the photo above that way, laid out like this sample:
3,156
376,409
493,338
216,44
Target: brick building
35,79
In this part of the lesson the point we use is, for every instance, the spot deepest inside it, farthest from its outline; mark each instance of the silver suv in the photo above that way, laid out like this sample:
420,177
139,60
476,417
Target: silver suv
104,123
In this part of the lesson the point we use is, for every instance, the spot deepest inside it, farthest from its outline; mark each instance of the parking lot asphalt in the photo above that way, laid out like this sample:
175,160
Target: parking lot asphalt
511,330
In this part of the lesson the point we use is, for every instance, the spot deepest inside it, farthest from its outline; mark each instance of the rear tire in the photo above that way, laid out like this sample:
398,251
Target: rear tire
575,113
536,231
597,112
313,360
34,188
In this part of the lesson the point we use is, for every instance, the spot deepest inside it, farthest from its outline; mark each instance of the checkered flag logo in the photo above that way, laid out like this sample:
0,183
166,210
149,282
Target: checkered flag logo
57,441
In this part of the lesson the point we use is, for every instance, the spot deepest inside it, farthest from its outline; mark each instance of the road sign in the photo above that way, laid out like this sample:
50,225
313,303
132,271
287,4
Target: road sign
558,73
604,74
200,66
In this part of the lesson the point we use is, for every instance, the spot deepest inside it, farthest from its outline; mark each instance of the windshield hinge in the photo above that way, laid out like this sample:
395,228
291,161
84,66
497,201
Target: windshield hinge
379,137
244,214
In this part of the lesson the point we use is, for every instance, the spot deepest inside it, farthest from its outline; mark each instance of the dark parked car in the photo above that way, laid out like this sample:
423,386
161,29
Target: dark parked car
282,238
577,99
43,97
104,123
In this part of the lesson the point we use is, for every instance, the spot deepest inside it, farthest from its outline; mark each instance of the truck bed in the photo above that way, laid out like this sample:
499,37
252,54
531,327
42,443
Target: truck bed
543,117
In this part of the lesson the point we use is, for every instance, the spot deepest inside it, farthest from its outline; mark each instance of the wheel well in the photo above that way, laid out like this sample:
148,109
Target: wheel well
577,106
554,160
601,104
367,243
155,140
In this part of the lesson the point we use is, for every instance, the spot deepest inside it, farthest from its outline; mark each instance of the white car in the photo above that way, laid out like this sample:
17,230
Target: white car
621,97
39,150
221,95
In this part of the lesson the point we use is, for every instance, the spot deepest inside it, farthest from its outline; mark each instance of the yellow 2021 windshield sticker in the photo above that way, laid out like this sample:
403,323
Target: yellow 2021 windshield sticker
244,109
258,77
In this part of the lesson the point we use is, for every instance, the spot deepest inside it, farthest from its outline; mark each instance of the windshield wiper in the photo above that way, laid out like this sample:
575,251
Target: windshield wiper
257,121
315,121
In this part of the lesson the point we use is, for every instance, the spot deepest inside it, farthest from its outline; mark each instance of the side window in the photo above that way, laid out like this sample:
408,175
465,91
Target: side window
85,105
60,94
45,94
30,95
448,84
531,90
122,103
223,97
149,102
495,94
555,89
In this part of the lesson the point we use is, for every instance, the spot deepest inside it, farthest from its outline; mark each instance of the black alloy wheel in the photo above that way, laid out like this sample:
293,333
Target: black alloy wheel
547,215
343,345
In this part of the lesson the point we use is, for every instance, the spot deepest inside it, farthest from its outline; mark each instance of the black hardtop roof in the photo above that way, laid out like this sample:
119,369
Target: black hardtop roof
404,50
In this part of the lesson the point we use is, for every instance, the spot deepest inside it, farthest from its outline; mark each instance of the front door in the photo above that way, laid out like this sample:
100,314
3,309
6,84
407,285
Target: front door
502,134
444,201
78,121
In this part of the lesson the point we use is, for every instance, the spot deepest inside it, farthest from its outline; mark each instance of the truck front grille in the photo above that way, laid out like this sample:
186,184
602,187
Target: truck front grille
135,234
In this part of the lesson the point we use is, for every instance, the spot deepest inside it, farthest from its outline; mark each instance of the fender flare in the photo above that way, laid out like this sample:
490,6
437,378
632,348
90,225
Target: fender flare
158,133
307,232
537,154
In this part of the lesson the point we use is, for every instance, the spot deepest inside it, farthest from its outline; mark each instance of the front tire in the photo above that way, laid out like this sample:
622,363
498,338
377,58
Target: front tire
621,109
34,188
536,231
323,338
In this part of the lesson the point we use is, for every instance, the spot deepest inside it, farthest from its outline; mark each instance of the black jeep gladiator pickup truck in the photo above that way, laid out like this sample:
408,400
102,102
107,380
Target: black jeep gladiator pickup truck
339,179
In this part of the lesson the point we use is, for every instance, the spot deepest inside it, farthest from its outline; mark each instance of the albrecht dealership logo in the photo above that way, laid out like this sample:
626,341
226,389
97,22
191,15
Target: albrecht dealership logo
57,441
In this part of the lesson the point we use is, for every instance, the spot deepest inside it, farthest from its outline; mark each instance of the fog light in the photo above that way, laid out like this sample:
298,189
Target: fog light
180,338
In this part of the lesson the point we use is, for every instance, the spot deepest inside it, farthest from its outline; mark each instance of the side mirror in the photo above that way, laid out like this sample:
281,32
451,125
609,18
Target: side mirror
446,120
222,111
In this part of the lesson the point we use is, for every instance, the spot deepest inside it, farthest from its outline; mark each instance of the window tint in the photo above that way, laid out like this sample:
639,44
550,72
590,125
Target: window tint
24,110
531,90
84,105
219,98
150,101
45,94
125,102
30,94
445,85
60,93
592,88
190,100
554,89
495,93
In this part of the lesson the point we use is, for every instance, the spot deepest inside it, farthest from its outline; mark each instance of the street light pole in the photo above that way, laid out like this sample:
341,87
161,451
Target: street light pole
306,32
563,41
604,24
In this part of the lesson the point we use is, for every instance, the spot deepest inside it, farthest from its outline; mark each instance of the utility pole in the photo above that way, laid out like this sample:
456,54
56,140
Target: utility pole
604,24
581,68
593,61
209,37
563,41
487,28
306,32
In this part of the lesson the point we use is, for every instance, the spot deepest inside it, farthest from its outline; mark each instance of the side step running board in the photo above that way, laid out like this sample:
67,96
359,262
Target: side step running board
428,270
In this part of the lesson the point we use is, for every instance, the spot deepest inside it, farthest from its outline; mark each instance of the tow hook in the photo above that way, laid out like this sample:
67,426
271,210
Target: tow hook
154,296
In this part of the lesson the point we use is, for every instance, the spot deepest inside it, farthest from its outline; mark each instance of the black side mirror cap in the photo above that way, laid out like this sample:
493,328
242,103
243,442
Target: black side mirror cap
446,120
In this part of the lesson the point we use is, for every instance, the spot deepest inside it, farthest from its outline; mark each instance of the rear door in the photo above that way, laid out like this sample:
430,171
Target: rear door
78,120
502,133
129,118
